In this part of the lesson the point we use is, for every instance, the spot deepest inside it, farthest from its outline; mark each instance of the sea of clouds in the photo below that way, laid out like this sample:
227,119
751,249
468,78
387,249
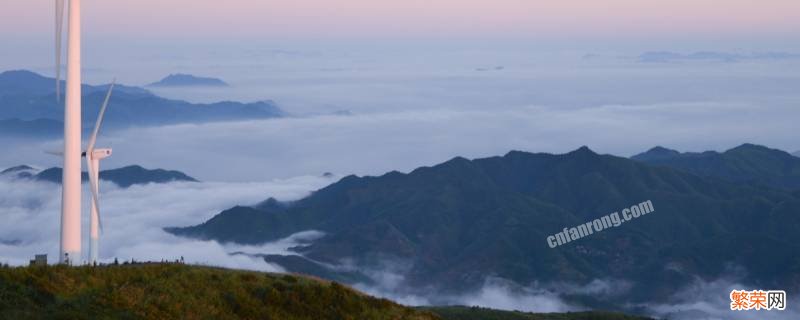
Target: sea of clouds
372,144
133,219
406,108
706,299
411,105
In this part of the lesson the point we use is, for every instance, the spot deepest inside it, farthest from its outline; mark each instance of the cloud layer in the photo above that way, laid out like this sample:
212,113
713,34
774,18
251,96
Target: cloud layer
377,143
710,300
134,217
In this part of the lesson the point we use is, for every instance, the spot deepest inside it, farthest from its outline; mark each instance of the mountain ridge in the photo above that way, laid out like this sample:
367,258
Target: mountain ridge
27,101
457,222
17,82
124,176
188,80
36,128
746,163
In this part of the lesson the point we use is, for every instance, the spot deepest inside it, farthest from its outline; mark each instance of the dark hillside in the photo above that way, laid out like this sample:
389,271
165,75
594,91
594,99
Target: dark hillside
460,220
174,291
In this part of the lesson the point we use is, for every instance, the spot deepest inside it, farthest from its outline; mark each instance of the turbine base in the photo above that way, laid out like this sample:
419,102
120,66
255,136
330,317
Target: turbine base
71,258
93,250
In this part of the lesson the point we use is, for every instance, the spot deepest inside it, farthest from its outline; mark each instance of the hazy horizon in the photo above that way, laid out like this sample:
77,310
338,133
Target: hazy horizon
619,19
419,106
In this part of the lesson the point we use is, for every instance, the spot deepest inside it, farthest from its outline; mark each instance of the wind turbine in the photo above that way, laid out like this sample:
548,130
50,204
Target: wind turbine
70,252
93,157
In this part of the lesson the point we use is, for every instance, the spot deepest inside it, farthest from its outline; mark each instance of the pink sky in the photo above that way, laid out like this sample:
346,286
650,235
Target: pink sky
413,18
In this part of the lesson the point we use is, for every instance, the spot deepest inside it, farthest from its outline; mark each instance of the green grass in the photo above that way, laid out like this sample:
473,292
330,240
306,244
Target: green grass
174,291
476,313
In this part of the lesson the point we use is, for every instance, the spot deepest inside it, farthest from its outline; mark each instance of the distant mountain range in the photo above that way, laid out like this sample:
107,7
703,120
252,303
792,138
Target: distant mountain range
26,83
28,107
123,177
744,164
19,172
454,224
39,128
669,56
187,80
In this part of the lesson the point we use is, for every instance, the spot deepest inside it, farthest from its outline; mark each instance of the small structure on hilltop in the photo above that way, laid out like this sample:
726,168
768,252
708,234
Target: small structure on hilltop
39,260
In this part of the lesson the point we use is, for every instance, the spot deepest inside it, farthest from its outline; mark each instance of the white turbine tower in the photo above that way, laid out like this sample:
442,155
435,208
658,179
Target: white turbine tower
71,180
70,252
93,157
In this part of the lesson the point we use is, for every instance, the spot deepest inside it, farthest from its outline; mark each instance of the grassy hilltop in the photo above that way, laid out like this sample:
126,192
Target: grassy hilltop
172,291
176,291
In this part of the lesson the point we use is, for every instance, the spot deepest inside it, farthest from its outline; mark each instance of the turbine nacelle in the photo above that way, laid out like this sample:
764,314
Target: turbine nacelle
99,154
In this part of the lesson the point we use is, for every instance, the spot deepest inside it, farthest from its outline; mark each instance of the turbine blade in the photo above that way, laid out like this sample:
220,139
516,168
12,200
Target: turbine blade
93,137
94,186
54,153
59,34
